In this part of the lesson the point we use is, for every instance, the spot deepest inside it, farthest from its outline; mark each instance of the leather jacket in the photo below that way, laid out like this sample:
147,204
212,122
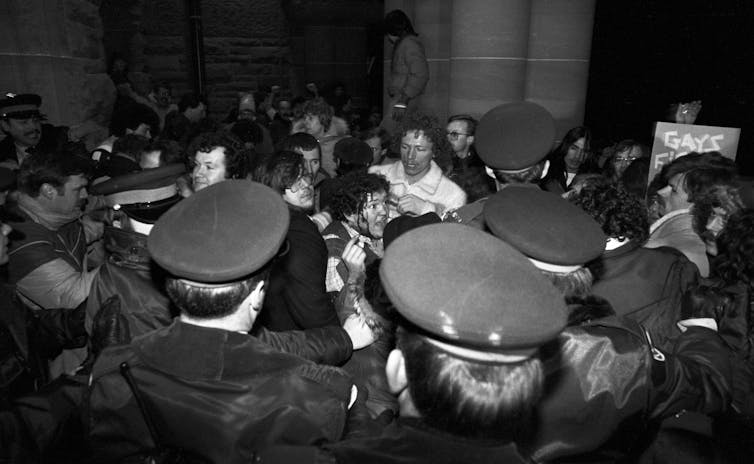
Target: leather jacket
221,395
606,382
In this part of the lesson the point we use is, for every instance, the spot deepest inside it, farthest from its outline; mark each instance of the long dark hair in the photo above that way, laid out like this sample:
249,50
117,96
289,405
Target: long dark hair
397,23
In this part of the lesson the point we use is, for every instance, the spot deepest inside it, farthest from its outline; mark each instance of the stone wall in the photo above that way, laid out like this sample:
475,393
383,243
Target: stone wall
246,44
54,48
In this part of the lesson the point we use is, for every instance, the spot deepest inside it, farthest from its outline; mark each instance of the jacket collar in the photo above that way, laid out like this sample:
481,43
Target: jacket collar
429,183
667,218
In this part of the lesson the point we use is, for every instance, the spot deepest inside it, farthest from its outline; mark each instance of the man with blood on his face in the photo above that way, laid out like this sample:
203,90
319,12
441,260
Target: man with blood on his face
360,214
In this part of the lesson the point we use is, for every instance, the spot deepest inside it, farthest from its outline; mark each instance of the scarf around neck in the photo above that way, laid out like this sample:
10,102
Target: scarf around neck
40,215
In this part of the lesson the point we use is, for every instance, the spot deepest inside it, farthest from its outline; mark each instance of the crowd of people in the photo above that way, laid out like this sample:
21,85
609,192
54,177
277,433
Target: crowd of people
299,284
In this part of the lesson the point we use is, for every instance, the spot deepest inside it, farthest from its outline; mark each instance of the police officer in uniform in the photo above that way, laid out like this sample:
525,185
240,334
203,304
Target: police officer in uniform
513,141
205,385
21,121
466,368
608,381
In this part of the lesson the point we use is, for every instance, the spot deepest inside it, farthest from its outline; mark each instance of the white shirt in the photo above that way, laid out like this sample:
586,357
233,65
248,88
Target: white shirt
434,187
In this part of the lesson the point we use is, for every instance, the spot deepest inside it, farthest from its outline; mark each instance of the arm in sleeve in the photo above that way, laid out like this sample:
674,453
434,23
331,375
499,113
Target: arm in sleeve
696,376
455,199
418,70
305,295
56,284
325,345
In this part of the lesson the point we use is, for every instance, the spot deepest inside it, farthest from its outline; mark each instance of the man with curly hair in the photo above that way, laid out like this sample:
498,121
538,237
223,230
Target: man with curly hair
711,212
417,184
643,284
360,214
215,157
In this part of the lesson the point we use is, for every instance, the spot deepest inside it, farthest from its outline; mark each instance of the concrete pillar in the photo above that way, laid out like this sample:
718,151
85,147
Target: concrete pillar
431,21
560,42
54,48
486,52
488,57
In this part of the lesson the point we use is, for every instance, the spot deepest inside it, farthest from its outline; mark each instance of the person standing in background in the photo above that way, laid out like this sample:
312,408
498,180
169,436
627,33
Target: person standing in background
409,71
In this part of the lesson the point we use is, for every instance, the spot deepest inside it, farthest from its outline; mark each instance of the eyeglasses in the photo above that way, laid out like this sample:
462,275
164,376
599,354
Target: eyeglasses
454,135
626,159
301,183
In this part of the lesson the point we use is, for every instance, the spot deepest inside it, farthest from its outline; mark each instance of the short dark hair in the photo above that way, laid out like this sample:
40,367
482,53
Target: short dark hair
397,23
469,120
532,174
717,169
53,169
247,131
131,116
131,145
634,178
698,182
467,398
203,302
299,141
189,100
170,151
236,158
321,109
353,193
619,213
377,132
280,171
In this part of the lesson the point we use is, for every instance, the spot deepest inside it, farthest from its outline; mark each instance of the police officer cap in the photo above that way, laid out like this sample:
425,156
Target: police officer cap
222,233
402,224
473,294
143,195
514,136
20,106
544,227
7,179
353,151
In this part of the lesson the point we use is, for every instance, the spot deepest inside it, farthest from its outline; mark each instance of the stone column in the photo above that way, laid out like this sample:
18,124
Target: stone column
488,57
431,21
486,52
54,48
560,43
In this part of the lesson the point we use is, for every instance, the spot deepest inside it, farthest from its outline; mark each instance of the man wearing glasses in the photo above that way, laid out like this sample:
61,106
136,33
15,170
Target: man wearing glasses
460,130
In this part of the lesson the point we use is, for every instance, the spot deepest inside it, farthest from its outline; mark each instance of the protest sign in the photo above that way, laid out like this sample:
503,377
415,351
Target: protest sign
672,141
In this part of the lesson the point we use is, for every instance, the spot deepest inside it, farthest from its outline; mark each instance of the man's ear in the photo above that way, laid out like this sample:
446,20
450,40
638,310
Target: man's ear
4,125
48,191
255,300
395,370
545,169
470,140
